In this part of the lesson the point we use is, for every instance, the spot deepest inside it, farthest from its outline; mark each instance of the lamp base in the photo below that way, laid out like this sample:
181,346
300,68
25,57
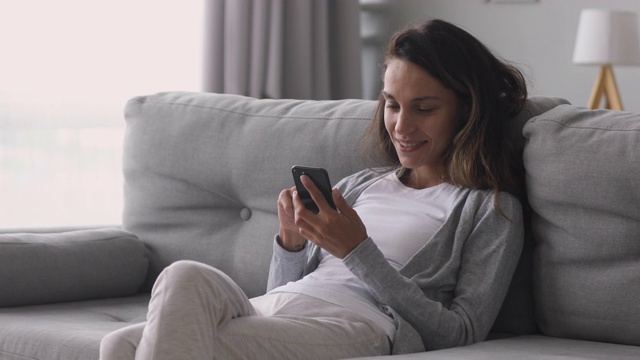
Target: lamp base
605,84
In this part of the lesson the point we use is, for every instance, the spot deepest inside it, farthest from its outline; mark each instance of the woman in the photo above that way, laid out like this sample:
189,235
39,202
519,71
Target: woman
416,257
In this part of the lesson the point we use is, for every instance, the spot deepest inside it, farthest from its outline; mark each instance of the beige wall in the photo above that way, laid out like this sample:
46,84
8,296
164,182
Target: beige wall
539,36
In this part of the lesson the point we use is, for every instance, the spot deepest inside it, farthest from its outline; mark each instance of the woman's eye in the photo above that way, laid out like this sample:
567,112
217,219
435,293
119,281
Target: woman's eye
426,110
392,106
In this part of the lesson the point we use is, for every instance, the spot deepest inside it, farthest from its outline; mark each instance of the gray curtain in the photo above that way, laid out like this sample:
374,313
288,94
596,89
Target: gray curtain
295,49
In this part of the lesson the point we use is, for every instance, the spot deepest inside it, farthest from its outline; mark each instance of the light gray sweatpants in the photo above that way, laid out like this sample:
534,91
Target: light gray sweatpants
198,312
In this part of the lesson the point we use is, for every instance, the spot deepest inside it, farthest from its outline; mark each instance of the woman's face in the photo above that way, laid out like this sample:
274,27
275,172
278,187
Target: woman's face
421,117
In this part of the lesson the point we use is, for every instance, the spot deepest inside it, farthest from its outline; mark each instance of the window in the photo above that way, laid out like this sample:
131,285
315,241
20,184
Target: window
66,71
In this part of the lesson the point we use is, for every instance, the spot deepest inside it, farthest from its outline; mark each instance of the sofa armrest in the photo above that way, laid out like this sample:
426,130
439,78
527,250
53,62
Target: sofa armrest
50,230
40,268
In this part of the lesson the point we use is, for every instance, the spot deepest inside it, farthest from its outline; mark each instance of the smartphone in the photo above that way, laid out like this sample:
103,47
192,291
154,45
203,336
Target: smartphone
320,178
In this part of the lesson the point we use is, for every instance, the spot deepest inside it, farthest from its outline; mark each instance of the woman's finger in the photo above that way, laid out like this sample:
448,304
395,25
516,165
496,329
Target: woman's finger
315,193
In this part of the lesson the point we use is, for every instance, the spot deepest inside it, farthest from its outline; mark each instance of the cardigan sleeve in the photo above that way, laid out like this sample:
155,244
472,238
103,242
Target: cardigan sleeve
490,246
285,265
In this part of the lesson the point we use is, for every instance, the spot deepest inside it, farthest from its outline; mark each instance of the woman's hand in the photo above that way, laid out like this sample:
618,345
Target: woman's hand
289,233
337,232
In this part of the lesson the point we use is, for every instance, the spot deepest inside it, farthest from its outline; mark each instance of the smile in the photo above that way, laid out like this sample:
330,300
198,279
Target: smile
410,146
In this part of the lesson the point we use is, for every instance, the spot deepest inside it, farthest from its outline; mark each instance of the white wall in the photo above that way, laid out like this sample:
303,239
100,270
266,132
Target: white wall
537,36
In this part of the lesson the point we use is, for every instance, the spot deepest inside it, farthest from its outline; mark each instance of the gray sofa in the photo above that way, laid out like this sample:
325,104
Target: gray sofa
202,175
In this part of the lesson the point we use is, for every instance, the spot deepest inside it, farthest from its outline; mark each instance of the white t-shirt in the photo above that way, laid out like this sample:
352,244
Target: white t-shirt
400,220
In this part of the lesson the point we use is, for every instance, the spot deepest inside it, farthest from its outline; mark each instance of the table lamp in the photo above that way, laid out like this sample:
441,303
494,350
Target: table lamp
607,37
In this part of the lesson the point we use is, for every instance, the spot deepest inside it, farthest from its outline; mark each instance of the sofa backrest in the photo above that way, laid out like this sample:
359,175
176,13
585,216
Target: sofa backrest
583,182
203,173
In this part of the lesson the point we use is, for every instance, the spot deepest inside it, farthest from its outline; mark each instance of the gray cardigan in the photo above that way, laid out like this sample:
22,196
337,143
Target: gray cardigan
449,293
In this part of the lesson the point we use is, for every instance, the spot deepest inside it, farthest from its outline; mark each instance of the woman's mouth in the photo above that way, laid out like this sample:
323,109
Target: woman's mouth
410,146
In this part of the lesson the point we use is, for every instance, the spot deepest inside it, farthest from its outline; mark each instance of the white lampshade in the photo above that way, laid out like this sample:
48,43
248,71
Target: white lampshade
607,37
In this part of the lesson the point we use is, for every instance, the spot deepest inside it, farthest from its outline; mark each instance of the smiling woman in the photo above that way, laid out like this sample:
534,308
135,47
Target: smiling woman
421,117
67,69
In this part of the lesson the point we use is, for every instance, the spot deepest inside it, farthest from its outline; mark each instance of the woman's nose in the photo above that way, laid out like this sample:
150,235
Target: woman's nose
404,123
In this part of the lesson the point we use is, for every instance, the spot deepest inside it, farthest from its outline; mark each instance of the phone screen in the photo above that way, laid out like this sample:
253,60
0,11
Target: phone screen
320,178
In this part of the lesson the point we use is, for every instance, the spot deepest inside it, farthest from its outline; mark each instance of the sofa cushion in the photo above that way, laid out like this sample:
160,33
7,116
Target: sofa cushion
68,266
532,347
66,331
583,175
203,172
517,313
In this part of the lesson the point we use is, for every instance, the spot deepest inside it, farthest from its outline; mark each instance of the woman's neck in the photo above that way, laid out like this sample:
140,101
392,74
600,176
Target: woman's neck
419,180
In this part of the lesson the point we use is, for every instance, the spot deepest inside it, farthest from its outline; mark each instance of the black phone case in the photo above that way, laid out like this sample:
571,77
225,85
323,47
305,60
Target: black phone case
320,177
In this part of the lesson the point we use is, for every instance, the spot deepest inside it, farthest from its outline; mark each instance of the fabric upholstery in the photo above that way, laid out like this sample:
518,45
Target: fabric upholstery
70,266
517,313
203,172
583,175
532,347
65,331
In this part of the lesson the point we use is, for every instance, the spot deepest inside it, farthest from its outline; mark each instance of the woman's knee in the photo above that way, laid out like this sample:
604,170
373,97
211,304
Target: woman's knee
192,275
188,270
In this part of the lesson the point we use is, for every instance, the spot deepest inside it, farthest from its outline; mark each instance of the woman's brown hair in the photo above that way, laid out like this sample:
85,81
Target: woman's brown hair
489,90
